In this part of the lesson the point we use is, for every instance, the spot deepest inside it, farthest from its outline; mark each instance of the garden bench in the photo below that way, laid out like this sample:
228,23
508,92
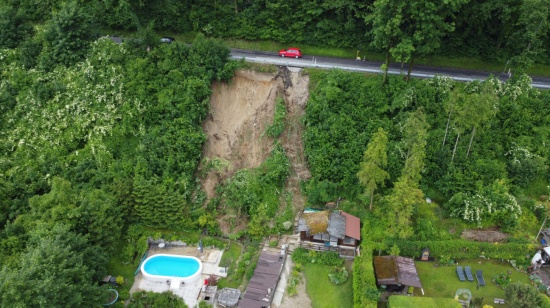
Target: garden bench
499,301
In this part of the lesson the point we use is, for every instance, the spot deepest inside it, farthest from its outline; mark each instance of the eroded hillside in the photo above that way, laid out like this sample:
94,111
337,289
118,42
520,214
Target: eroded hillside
240,113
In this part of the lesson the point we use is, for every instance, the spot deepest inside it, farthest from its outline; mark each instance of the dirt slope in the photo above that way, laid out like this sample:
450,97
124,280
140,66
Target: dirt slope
240,112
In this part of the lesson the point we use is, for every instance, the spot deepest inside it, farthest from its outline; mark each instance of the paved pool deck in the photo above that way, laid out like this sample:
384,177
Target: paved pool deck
190,292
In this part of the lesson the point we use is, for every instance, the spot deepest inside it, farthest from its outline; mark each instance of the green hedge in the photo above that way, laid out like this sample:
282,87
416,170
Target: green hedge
365,292
463,249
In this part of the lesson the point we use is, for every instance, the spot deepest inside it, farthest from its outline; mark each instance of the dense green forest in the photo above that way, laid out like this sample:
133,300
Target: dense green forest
92,142
494,30
420,161
470,147
100,141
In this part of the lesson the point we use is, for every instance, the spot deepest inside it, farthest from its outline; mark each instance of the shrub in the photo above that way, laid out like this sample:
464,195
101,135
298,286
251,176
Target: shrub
502,280
212,280
203,304
301,255
250,271
338,275
278,126
291,290
120,280
287,225
522,295
394,250
491,202
123,295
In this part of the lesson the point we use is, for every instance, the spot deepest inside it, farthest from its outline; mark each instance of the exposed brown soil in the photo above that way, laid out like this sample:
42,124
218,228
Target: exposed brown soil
240,112
484,236
301,299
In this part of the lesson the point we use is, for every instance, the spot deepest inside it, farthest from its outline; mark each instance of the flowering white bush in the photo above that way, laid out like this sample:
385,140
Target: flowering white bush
71,105
443,84
491,202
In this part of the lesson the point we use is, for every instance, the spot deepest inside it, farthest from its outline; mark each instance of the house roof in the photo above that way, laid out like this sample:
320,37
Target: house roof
314,222
353,226
396,270
261,287
229,297
335,223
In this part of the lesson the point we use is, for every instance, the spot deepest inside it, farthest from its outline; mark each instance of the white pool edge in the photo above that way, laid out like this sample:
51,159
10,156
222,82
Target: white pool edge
174,281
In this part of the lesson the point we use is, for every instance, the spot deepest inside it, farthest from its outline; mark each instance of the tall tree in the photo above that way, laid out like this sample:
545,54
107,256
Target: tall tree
405,29
473,107
59,269
386,19
14,27
404,197
406,192
532,28
371,173
428,22
479,108
68,35
415,133
455,105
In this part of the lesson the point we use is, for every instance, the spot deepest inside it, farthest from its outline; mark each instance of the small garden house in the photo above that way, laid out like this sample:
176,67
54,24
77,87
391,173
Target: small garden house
332,230
394,273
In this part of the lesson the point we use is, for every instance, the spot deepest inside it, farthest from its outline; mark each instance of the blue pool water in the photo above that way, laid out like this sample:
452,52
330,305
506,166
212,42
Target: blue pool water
174,266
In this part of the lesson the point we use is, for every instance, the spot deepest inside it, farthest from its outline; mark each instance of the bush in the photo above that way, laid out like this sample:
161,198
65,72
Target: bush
301,255
120,280
278,126
338,275
502,280
123,295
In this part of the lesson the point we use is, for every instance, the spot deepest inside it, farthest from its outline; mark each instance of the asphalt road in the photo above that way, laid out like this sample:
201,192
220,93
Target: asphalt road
418,71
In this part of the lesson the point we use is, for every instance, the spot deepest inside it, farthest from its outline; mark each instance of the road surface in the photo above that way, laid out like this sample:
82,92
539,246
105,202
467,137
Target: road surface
418,71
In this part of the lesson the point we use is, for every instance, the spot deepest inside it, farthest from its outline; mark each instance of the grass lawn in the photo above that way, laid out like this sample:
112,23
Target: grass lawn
230,258
322,292
443,281
401,301
117,268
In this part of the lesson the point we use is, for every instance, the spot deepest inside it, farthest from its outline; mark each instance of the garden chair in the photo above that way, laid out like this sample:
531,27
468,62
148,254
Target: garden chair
480,279
460,273
469,275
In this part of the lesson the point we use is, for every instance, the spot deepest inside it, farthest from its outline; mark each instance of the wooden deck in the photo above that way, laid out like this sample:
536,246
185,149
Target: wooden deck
343,251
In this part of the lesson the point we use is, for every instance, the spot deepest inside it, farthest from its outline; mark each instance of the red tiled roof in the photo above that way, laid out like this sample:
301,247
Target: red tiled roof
353,226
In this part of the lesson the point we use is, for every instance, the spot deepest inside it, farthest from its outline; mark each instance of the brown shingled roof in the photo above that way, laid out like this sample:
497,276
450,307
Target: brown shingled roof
396,270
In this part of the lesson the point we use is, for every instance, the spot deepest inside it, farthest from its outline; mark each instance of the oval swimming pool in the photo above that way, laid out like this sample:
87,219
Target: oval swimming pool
164,267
